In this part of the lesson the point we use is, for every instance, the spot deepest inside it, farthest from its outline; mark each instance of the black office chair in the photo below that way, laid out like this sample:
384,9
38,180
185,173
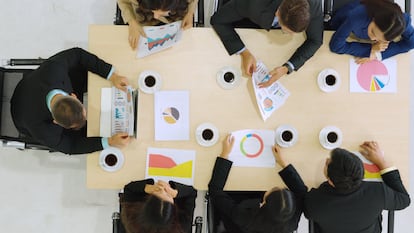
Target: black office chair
214,223
9,78
118,227
390,226
198,15
330,6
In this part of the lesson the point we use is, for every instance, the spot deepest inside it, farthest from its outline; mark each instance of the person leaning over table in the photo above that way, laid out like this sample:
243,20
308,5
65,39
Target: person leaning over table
159,207
47,103
279,210
139,13
347,204
371,29
292,16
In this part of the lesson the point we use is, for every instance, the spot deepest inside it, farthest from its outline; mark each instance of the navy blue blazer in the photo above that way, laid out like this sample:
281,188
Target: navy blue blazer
353,18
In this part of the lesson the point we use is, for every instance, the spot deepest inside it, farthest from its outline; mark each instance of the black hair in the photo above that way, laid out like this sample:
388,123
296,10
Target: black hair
279,208
387,15
178,8
345,170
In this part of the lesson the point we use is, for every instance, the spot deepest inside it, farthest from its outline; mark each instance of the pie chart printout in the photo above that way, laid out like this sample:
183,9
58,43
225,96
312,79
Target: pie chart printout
171,115
373,76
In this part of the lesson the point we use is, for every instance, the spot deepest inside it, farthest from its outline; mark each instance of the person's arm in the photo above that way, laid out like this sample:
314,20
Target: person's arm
289,174
185,201
222,166
189,16
314,37
405,44
135,190
396,196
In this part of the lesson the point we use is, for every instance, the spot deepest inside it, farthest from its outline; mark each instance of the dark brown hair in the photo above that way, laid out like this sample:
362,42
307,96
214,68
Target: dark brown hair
345,170
151,216
272,217
67,111
178,8
387,15
294,14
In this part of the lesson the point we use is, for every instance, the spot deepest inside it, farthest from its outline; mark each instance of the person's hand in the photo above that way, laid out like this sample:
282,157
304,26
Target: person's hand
362,60
372,152
119,82
134,32
167,188
277,153
119,140
151,188
248,62
275,75
379,46
187,21
228,143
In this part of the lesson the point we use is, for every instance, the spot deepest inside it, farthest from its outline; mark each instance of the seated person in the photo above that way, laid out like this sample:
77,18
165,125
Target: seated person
279,210
293,16
139,13
47,103
158,207
371,29
347,204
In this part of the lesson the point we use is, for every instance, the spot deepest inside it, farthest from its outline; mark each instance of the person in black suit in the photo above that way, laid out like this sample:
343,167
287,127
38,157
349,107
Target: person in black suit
279,210
158,207
347,204
47,103
292,16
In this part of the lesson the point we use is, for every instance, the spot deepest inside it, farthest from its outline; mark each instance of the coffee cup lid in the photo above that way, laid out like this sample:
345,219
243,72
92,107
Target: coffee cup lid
321,80
228,85
141,81
117,153
282,129
199,134
324,133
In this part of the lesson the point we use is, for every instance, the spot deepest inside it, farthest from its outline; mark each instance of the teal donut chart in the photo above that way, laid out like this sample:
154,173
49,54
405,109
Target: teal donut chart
251,136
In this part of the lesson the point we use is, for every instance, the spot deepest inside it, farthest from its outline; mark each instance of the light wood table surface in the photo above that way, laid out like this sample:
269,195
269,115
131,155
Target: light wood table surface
192,65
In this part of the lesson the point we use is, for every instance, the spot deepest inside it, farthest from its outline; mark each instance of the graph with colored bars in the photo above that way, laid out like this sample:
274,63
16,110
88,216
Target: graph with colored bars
152,43
122,112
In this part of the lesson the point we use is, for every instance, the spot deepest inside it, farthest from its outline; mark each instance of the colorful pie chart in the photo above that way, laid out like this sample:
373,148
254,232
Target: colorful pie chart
373,76
171,115
251,145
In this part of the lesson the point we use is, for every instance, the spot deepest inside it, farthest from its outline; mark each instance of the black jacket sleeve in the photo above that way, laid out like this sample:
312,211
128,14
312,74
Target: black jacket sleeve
396,196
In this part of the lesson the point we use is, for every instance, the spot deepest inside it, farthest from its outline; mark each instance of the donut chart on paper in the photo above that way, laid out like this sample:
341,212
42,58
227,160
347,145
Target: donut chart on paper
251,140
373,76
171,115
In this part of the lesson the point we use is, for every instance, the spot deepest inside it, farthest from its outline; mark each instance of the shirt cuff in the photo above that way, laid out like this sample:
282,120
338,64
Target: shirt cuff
379,56
104,142
388,169
241,50
291,65
110,73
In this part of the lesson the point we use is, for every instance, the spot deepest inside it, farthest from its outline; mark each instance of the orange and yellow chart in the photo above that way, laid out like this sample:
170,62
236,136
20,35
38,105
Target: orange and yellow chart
371,171
171,164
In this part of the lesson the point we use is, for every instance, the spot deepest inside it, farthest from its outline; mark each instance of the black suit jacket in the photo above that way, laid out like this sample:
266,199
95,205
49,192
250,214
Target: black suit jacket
356,212
185,200
237,216
67,71
262,12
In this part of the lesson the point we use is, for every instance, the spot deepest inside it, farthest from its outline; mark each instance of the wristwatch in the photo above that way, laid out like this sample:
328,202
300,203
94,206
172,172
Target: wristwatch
288,67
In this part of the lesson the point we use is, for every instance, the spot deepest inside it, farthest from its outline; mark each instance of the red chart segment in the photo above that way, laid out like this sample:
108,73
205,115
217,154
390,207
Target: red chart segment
373,76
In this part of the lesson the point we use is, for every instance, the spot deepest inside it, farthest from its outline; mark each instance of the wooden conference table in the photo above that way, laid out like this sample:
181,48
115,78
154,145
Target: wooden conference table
192,65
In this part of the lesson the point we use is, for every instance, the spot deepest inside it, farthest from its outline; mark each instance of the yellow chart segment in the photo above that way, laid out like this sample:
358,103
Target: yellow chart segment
184,170
372,175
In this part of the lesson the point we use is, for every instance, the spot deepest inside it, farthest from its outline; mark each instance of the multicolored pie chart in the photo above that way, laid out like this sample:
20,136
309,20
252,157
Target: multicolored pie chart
171,115
373,76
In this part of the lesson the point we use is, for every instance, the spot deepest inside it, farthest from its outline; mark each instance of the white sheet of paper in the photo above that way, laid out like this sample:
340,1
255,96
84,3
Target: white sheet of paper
172,112
253,148
159,38
106,108
373,77
270,98
170,164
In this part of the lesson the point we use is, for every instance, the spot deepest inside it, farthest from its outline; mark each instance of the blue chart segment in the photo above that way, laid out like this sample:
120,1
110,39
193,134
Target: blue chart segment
152,43
249,137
